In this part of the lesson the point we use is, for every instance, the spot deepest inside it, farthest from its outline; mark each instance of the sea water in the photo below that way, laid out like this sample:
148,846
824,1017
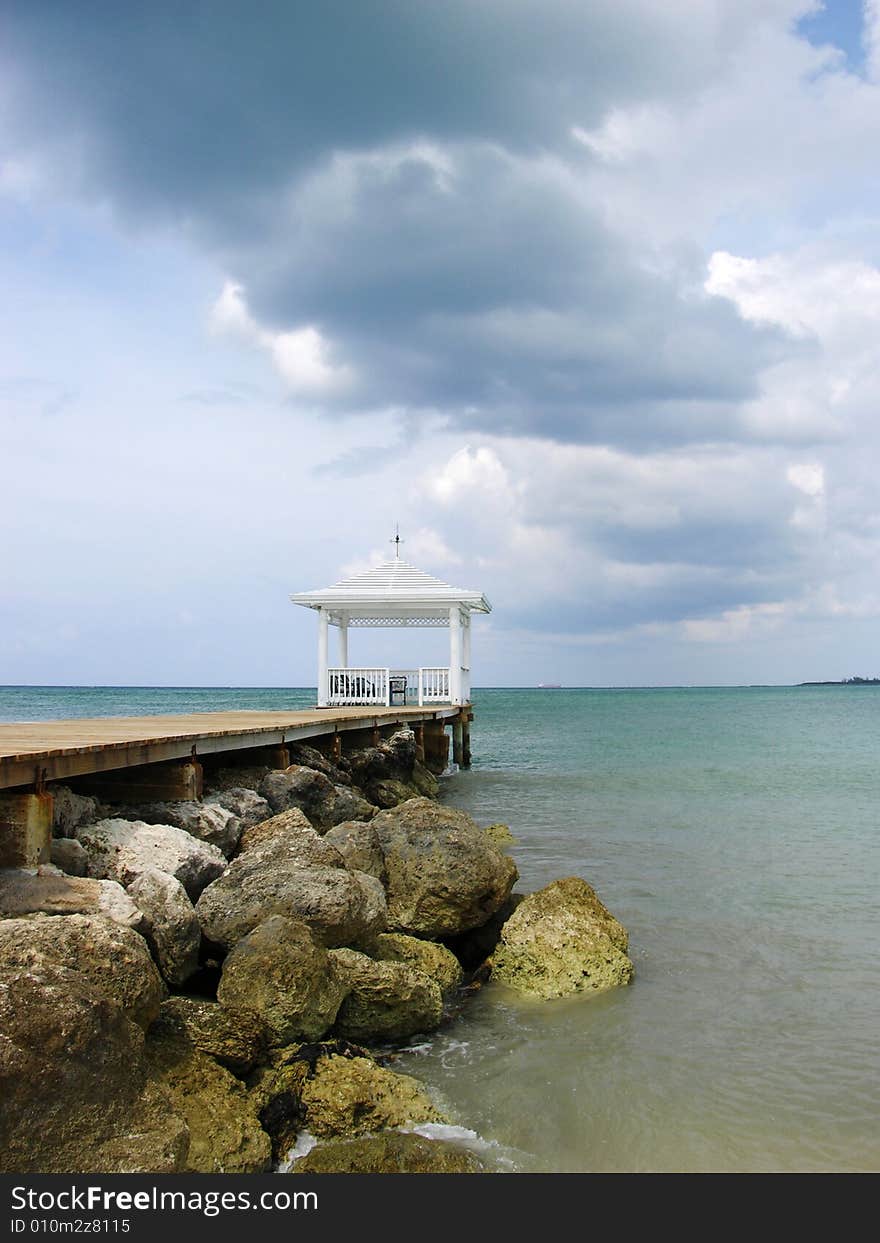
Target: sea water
734,832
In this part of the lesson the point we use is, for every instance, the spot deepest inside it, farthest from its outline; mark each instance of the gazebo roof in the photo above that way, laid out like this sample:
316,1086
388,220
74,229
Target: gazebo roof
392,590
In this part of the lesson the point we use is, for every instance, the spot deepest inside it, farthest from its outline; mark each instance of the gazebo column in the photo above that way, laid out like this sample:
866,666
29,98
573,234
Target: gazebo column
323,689
455,654
466,661
343,641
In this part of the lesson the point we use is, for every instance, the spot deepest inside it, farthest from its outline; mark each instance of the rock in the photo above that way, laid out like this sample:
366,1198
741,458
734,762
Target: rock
281,974
248,806
562,940
385,1000
298,786
234,1038
324,803
358,843
435,961
389,793
209,822
424,782
444,877
27,893
68,855
499,834
122,849
113,961
353,1096
339,771
331,900
171,926
375,906
225,1133
70,810
74,1081
349,804
290,835
474,947
335,1088
392,1152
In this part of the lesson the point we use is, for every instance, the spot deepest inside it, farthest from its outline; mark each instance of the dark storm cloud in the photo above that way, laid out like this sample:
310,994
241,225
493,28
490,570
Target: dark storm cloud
403,177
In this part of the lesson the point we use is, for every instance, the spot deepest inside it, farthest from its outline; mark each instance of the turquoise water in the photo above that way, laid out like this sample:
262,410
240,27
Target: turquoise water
735,833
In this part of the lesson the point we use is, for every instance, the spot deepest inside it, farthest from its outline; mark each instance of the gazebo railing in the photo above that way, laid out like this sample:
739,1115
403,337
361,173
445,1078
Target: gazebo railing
364,686
357,686
434,685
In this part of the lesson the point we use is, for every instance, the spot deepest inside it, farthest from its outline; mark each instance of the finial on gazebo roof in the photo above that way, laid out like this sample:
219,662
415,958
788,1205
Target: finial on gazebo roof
397,541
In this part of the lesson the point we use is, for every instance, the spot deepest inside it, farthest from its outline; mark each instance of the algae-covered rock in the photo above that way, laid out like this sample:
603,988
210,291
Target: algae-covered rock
225,1133
69,810
385,1000
444,875
562,940
73,1079
171,927
393,1152
353,1096
112,960
499,834
324,803
281,974
436,961
235,1038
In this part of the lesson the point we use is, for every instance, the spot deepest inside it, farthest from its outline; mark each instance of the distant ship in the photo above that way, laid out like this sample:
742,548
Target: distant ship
549,686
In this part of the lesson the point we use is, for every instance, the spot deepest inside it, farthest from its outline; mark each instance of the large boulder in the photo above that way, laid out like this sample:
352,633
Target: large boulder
562,940
324,803
334,1089
70,810
392,1152
281,974
224,1131
113,960
234,1038
74,1082
444,875
290,835
68,856
49,892
171,926
335,903
358,843
390,773
209,822
435,961
248,806
339,771
121,849
384,1000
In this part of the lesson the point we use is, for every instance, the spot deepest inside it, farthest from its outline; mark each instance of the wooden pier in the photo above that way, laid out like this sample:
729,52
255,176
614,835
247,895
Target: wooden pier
154,758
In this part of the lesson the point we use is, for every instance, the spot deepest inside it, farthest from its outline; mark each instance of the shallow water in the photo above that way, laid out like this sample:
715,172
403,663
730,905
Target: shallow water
735,833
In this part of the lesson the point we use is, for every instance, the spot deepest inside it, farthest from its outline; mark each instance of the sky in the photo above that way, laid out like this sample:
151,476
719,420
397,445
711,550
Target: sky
585,297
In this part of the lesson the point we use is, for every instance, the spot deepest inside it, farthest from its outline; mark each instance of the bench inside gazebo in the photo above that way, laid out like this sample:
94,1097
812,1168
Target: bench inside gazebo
394,594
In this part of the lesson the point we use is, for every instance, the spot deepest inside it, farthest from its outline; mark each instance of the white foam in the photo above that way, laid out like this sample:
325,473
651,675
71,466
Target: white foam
305,1142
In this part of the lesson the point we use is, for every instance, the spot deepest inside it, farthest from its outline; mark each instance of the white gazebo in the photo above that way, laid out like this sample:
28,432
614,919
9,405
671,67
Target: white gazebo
394,594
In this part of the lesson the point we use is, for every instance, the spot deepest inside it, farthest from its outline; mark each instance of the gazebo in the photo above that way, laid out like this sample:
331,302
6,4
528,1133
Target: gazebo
394,594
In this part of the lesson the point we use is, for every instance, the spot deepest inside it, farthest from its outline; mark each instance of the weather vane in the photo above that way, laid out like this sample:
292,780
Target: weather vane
397,541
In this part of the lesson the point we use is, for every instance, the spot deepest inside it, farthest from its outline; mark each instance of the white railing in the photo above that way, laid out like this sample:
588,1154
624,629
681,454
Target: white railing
388,687
433,686
357,686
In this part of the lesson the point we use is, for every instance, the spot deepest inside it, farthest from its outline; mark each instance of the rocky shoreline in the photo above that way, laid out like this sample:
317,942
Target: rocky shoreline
195,986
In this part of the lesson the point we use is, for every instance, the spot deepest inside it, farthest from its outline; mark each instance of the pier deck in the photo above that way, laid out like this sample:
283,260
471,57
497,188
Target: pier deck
35,752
